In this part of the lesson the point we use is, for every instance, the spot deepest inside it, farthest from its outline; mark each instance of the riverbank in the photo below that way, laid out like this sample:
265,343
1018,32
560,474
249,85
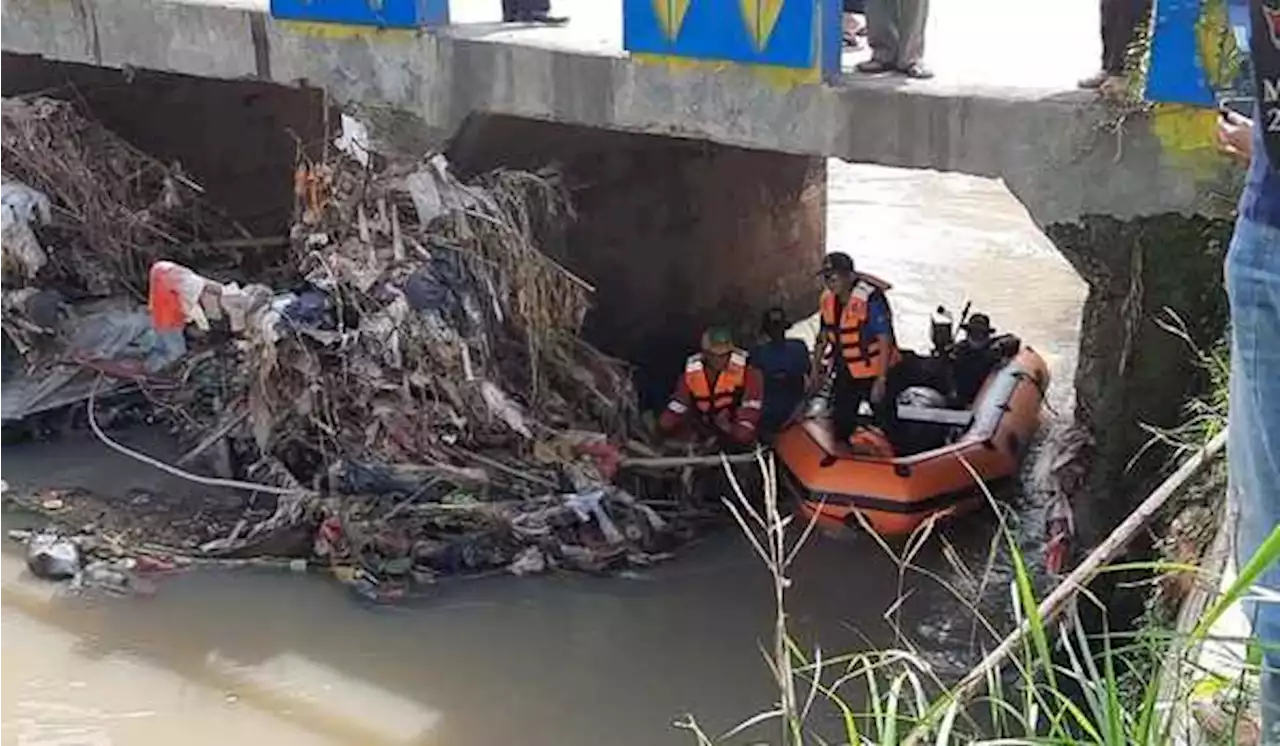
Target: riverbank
617,659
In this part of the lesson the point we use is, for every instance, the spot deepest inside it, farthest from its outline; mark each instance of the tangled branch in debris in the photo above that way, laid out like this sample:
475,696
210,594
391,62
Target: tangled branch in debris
433,328
115,210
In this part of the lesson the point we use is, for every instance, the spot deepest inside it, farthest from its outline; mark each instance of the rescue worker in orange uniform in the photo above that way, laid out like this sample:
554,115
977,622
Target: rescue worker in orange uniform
857,330
719,396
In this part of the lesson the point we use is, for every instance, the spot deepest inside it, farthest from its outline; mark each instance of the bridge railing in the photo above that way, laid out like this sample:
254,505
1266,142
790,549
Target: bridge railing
1199,52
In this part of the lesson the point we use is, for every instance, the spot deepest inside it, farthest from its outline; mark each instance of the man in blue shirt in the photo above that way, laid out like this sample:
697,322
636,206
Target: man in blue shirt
785,365
1252,270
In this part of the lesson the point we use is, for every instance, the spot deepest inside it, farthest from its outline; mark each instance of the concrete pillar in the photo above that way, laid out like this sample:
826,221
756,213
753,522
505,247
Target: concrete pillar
675,234
1131,372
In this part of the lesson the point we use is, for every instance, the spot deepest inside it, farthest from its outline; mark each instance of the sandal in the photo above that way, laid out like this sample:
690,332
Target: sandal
873,66
917,71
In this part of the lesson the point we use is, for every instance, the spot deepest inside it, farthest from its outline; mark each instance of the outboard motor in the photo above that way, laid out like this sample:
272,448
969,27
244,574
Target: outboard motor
916,437
941,331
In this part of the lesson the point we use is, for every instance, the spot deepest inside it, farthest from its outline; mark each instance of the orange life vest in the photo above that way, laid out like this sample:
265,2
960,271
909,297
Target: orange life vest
862,355
728,385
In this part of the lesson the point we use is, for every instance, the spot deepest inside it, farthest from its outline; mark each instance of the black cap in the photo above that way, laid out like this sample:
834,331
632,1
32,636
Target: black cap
837,261
979,321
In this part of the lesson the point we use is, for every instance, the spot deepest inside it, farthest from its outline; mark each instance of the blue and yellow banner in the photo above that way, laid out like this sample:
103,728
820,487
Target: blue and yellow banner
1199,51
381,13
797,34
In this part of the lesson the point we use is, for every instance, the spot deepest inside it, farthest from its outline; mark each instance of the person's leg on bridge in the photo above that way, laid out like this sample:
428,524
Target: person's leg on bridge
912,17
529,11
1253,449
882,34
1118,23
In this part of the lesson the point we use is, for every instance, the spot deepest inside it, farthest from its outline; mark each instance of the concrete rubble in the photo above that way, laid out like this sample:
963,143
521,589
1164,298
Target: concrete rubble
398,388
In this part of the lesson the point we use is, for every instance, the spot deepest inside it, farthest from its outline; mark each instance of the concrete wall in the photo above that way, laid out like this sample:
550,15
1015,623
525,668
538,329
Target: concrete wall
674,234
237,139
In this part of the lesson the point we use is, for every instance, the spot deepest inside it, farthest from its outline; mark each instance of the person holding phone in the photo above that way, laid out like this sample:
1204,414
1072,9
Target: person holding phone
1252,271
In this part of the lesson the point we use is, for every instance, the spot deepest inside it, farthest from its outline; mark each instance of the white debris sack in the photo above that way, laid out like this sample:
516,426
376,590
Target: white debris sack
20,207
51,556
435,191
354,140
505,408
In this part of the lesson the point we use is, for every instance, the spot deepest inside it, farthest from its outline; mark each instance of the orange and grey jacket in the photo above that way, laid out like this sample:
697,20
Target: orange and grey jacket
739,390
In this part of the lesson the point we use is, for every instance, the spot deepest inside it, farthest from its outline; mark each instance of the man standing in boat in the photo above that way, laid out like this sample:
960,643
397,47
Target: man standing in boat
857,328
719,397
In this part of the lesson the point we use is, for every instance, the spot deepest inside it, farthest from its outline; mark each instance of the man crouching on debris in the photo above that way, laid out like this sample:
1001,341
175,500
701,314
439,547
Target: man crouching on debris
718,397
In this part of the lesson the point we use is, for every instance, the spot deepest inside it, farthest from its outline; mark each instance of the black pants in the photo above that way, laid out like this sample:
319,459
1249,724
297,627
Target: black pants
854,6
847,396
520,10
1120,19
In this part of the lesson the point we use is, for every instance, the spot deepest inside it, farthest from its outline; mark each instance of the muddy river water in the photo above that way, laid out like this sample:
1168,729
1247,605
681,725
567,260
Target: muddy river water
284,659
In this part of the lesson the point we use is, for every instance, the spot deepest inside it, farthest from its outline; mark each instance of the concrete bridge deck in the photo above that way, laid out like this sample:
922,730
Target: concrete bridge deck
1003,104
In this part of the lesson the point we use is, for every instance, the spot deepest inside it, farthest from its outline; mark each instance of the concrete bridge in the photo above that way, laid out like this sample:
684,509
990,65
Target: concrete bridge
701,184
1003,105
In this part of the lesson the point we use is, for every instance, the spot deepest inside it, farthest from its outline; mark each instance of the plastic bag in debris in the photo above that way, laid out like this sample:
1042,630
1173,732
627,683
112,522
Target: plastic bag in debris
435,191
121,335
20,207
354,140
530,561
442,285
52,556
240,302
588,505
505,408
310,308
353,477
176,297
114,576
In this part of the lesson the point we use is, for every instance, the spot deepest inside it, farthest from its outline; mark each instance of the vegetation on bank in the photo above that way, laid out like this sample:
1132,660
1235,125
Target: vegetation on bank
1063,681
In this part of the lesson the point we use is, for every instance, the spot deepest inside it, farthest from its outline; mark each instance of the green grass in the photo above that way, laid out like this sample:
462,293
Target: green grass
1204,416
1061,685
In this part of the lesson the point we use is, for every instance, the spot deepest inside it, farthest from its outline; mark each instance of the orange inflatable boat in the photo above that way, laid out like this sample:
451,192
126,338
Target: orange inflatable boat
896,495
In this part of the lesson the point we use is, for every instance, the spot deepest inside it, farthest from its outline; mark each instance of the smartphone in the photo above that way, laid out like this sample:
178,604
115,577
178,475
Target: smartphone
1241,105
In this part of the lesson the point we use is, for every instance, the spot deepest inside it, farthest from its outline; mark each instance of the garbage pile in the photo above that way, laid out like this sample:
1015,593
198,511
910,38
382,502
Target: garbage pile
407,382
429,326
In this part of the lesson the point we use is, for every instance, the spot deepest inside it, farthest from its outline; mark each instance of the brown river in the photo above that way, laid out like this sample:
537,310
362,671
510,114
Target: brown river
291,659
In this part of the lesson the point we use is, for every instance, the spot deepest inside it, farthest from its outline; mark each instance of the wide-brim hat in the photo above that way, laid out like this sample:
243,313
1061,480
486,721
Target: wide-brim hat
978,322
